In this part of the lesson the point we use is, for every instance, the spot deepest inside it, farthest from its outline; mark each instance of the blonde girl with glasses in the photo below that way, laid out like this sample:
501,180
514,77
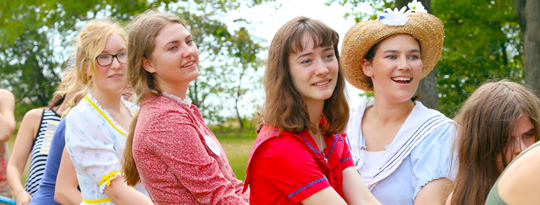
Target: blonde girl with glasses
96,127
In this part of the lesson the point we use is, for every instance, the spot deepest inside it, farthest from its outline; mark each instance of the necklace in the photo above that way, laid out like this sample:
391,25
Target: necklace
321,145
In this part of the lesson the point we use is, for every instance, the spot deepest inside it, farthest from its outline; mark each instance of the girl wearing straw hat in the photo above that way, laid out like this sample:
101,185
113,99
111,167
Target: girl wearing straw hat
401,149
300,154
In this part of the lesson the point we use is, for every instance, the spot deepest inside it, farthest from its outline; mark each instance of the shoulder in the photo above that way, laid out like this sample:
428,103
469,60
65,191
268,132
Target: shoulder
359,108
282,147
161,107
7,100
162,103
33,115
355,118
83,115
6,94
523,171
81,107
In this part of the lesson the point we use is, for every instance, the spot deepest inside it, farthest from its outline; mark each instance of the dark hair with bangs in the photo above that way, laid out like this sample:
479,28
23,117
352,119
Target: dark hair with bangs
284,106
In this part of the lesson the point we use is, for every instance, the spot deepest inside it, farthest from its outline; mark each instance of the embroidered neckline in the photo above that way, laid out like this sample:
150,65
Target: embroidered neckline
179,99
106,114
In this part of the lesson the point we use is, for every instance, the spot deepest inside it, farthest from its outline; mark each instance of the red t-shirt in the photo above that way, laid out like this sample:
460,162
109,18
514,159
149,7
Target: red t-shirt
288,168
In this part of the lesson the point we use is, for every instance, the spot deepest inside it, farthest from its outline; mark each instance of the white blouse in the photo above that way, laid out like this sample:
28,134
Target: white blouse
95,143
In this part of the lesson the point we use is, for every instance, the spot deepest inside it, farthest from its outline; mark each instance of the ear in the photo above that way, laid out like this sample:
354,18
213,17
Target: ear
147,65
366,67
86,69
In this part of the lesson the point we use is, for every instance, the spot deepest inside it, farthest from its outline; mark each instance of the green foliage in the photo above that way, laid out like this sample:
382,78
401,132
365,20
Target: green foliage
377,6
482,43
35,41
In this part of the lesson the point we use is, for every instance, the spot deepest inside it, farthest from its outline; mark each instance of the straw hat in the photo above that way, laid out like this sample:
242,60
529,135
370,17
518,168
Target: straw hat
425,27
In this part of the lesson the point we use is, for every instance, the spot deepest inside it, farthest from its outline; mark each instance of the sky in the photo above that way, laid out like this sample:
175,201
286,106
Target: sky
266,20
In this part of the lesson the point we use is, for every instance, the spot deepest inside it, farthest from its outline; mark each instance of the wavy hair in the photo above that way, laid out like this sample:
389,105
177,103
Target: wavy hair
90,42
284,106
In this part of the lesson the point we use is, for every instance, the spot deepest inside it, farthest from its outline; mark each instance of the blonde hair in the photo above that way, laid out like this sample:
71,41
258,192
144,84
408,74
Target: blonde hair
60,96
486,122
90,42
144,29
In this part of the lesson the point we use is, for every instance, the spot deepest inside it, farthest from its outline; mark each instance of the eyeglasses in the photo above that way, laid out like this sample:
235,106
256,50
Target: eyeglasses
107,59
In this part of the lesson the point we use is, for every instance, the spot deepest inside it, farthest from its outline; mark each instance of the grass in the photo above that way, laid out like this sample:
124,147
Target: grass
237,151
237,146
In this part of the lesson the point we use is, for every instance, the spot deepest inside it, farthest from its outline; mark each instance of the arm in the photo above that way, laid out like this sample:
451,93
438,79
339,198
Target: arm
92,150
520,183
273,170
7,118
120,193
434,192
354,188
201,175
431,172
21,151
66,191
325,196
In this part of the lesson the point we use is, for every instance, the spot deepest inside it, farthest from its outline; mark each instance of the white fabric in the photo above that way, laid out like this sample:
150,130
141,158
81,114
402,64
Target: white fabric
420,123
372,161
95,146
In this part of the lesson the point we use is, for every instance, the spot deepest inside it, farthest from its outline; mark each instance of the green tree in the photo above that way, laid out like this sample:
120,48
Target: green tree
35,44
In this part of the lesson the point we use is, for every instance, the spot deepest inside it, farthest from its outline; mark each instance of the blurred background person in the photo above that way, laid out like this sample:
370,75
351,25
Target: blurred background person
67,186
497,122
7,127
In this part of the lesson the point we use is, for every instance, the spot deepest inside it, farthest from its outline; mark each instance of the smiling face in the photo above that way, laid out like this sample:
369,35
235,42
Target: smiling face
314,71
522,137
111,78
175,59
396,67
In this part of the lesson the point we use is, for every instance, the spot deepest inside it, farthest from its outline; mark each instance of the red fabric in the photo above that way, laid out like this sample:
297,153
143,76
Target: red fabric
288,168
175,161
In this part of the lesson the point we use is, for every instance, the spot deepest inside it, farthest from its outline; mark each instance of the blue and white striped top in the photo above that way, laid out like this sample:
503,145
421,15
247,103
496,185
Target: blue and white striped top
40,149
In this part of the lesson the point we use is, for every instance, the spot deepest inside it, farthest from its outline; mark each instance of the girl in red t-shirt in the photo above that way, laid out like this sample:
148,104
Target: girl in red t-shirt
300,155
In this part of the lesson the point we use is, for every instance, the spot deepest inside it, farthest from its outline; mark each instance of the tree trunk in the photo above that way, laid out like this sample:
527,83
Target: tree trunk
427,88
528,15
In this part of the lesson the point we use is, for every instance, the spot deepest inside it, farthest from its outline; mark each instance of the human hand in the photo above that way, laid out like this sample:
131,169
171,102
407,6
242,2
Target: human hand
23,198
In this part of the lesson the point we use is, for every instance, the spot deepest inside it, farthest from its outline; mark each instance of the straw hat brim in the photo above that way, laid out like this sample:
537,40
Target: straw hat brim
426,28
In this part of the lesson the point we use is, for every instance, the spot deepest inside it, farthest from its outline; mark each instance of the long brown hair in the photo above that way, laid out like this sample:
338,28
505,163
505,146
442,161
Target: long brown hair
284,108
486,122
144,29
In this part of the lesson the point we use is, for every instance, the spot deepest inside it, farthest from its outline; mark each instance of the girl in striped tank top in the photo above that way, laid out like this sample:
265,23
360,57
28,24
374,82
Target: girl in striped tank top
34,140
